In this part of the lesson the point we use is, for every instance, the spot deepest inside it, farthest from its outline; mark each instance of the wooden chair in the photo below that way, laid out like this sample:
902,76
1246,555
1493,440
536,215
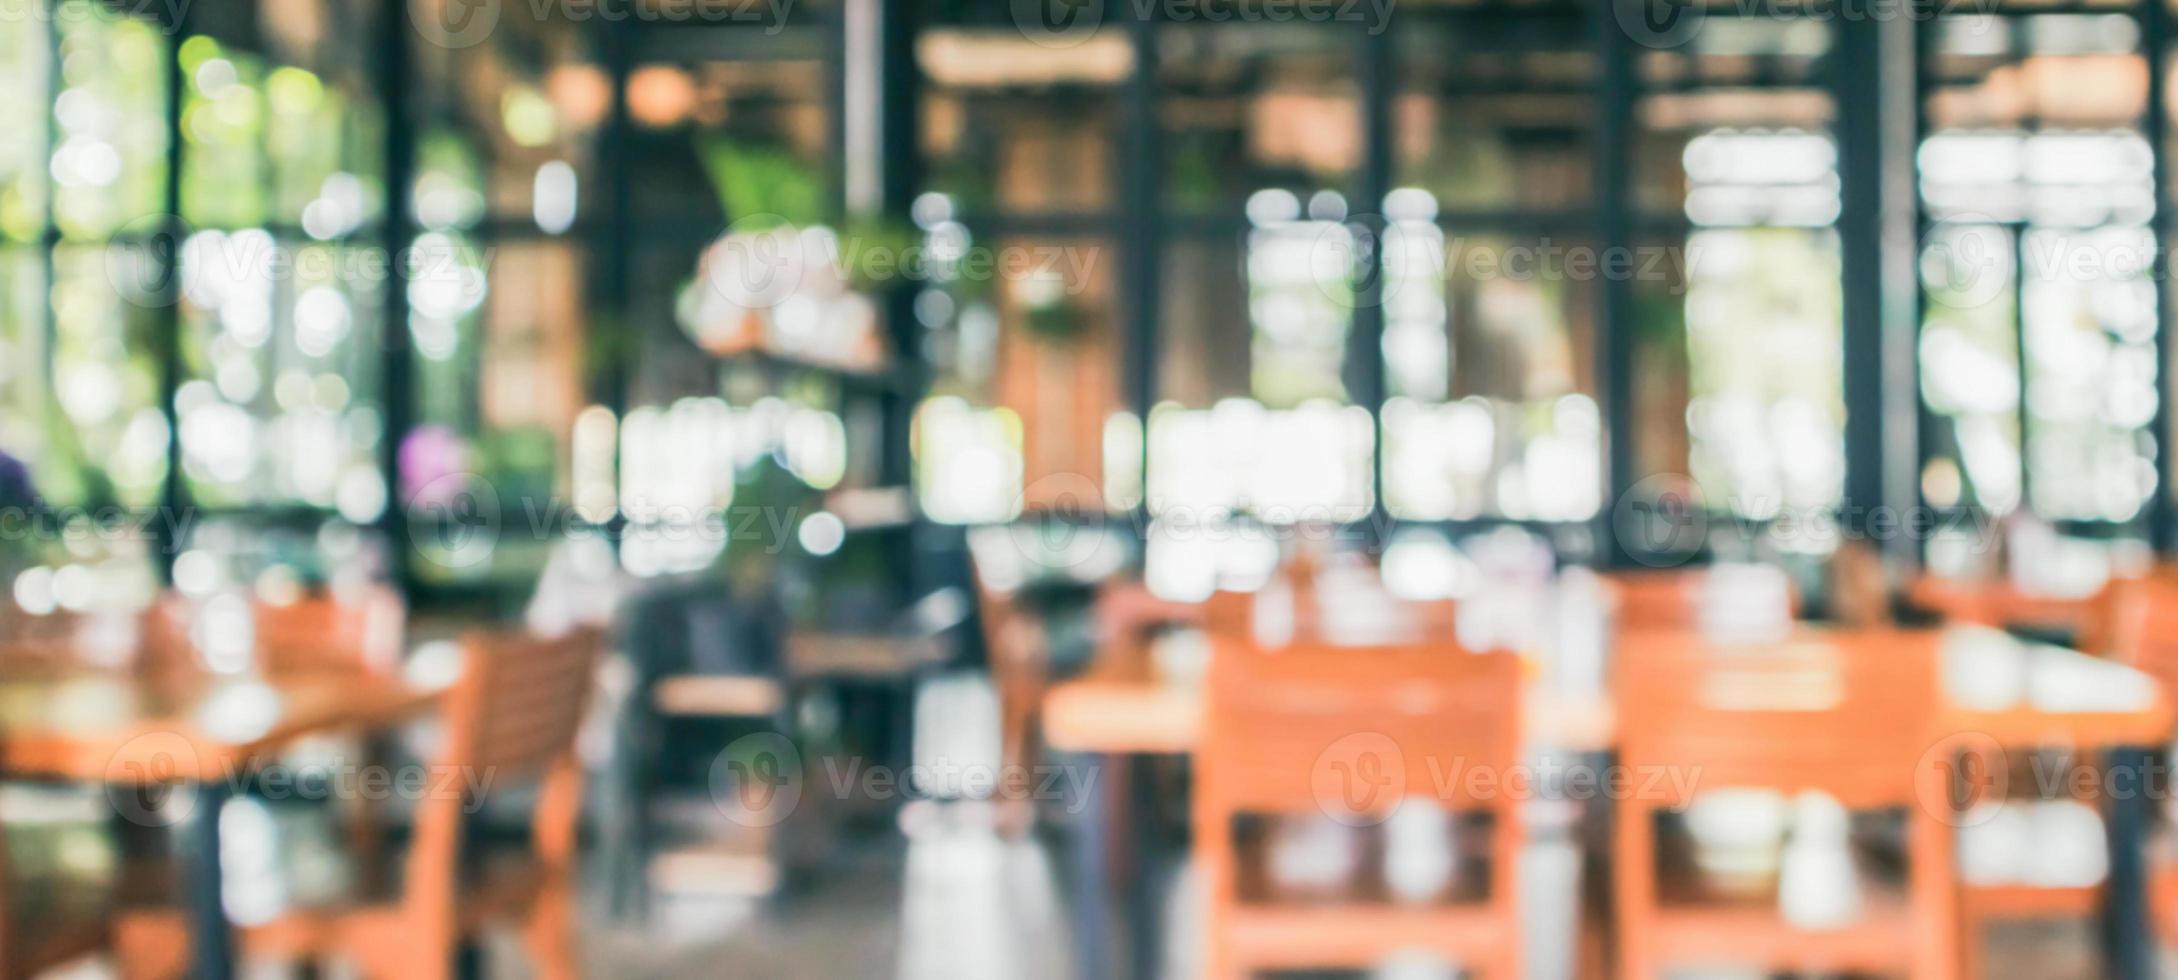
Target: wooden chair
2131,618
1278,725
1847,715
2144,633
513,715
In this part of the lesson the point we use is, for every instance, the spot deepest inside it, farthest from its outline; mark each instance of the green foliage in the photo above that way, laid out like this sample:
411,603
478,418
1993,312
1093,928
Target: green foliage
762,187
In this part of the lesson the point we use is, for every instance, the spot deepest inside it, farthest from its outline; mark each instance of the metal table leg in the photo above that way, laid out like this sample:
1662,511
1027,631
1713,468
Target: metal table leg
210,936
1145,881
1089,874
2127,947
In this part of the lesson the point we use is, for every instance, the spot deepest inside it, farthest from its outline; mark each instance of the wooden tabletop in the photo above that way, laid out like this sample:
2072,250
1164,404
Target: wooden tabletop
2000,602
1995,685
101,725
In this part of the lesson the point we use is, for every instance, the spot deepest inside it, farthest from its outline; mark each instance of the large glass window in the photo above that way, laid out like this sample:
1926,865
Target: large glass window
2038,338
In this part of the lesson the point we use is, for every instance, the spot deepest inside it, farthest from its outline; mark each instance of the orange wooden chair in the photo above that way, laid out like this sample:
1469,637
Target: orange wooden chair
1847,715
510,720
1402,722
2144,633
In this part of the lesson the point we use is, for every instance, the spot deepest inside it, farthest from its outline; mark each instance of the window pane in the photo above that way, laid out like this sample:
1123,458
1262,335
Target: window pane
1012,126
279,405
26,407
110,166
1251,106
2038,344
24,70
109,444
1497,323
1495,114
223,129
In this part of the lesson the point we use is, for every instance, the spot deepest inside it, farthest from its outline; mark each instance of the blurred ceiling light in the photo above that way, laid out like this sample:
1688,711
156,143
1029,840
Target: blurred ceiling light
821,533
528,116
581,93
660,96
958,58
554,199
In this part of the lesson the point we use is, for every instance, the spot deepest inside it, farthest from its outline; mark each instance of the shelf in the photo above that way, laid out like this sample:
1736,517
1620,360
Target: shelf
718,696
844,655
872,508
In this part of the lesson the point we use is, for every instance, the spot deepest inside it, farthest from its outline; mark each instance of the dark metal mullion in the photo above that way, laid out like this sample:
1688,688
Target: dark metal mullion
173,495
1365,369
2023,370
1928,427
2016,54
1854,91
48,323
394,71
2155,42
1615,340
614,235
1142,237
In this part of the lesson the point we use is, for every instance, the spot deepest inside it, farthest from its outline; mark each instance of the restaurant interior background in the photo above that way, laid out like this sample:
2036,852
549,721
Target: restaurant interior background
836,478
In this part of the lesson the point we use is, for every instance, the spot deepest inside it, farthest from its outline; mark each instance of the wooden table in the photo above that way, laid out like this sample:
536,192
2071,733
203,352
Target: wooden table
2017,693
208,732
2000,602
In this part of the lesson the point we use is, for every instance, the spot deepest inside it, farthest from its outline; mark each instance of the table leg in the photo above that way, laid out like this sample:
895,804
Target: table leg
1145,891
1089,877
2127,950
211,938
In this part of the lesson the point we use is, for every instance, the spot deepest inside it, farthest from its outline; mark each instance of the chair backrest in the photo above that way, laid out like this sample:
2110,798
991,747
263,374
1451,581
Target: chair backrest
2142,623
520,700
1843,712
1436,714
511,719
